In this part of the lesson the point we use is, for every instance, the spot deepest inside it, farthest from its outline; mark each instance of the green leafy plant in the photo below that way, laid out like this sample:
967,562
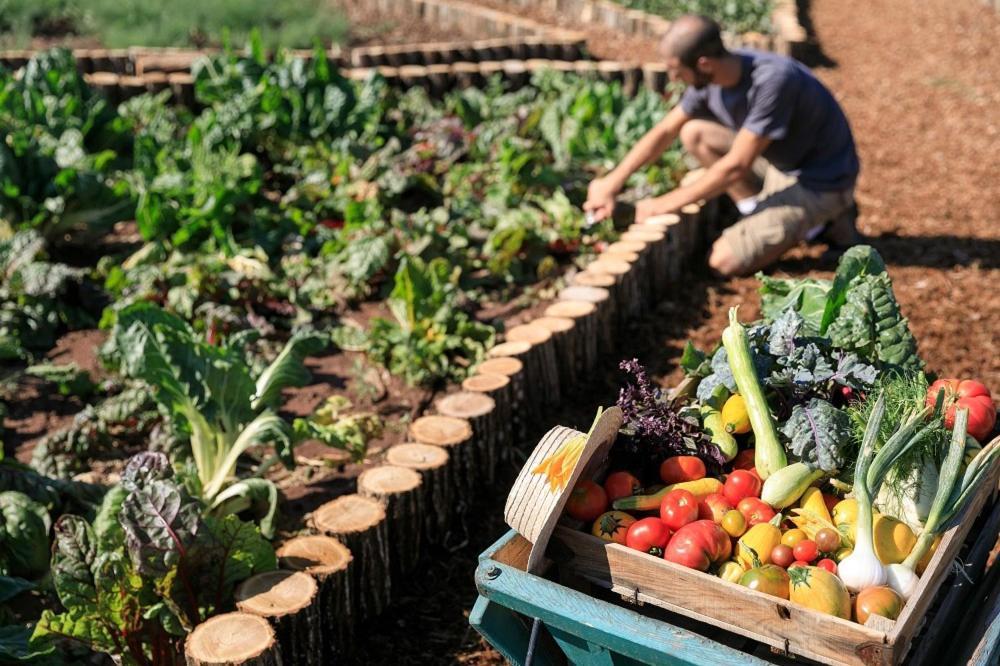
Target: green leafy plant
334,424
430,340
149,568
214,400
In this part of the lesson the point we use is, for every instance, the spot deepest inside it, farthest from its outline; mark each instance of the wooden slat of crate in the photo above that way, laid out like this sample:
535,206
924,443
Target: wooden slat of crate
779,623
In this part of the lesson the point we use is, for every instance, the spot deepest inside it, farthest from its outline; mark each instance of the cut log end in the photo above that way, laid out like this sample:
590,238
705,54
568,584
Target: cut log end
465,405
232,638
593,279
555,324
570,309
388,480
315,554
275,594
440,430
486,382
509,348
612,267
586,294
634,246
621,255
502,365
530,333
348,514
417,456
645,235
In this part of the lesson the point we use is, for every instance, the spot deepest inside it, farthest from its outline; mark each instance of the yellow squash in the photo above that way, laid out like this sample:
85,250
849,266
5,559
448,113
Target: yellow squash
754,548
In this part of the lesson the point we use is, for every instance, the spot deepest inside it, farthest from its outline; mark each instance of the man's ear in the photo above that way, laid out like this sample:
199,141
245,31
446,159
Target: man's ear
705,65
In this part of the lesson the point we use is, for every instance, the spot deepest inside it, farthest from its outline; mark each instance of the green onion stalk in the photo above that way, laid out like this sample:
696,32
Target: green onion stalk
951,496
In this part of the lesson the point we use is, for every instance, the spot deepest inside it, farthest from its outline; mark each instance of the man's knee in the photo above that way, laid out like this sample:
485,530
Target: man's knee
691,137
723,260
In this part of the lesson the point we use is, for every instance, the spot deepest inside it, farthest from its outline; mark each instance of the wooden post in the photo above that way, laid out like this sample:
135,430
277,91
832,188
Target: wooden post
625,292
454,435
436,483
513,369
289,601
230,639
670,225
584,333
330,563
398,488
564,344
541,371
658,250
603,315
499,388
480,411
359,523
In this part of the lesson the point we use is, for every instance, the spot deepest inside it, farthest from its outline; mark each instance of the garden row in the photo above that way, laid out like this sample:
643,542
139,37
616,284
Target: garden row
293,199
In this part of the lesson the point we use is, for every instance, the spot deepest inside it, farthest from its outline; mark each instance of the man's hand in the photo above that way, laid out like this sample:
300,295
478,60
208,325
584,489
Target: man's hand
647,208
601,197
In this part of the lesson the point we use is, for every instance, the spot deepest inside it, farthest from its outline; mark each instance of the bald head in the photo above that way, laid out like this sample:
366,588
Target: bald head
690,37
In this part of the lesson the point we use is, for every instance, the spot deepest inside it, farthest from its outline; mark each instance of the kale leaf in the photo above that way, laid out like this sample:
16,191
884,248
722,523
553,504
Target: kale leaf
819,433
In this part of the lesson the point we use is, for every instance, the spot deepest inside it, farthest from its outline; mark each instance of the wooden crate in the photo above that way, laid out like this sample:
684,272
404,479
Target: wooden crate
782,624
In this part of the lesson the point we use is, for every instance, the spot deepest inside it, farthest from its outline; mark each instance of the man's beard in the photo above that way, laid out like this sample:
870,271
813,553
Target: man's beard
701,79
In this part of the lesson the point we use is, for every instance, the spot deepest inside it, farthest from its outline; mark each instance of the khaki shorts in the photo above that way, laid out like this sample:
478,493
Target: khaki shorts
787,214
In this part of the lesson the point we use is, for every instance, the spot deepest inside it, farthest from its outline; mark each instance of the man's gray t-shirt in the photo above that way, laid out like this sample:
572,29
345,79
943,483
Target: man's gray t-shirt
779,98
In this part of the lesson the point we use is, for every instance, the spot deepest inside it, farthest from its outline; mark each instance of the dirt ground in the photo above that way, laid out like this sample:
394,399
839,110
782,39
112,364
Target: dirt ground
921,85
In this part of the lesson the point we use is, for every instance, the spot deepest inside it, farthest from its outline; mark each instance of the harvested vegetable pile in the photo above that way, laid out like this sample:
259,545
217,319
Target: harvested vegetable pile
767,465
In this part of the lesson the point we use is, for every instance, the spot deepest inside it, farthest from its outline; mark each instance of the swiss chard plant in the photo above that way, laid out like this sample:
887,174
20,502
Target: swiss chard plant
430,339
215,401
149,568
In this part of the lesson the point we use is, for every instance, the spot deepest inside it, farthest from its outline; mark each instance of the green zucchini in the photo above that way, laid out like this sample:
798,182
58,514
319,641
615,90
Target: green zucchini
769,454
785,487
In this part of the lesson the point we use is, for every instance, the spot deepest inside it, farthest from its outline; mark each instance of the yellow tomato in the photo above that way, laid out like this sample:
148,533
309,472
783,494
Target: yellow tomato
893,539
792,537
845,512
734,523
820,590
735,415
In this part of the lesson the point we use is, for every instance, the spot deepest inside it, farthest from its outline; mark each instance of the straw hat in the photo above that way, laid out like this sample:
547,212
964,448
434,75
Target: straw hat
544,485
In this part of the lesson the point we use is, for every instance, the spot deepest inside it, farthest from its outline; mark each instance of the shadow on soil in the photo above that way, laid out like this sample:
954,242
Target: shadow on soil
428,621
941,252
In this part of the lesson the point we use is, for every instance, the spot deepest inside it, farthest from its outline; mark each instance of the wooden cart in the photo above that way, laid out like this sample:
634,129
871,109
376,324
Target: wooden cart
585,624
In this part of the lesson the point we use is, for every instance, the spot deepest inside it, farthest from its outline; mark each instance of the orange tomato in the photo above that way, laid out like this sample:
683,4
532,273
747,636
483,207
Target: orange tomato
734,523
793,537
820,590
879,600
612,526
677,469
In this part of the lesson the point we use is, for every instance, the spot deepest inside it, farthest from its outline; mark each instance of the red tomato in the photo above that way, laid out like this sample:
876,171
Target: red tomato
621,484
699,545
713,507
649,535
798,563
677,469
782,555
806,550
678,508
828,564
830,501
755,510
966,394
587,501
740,484
744,460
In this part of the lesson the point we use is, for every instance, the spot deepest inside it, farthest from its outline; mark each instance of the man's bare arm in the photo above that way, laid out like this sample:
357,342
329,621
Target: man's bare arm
602,191
732,167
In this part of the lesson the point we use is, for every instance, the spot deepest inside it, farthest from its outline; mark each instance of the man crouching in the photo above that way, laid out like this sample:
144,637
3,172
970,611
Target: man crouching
769,134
